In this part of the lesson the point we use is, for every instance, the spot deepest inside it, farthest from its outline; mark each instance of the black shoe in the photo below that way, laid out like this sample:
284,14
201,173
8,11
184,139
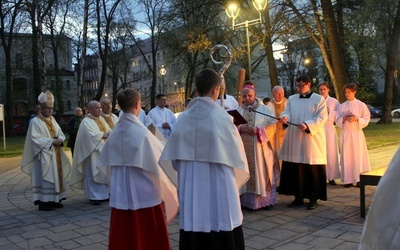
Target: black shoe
348,185
312,205
45,206
95,202
57,205
295,203
267,207
358,184
332,182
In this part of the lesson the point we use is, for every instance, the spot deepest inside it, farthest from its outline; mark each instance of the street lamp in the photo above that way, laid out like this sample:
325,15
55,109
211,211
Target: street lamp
163,71
232,10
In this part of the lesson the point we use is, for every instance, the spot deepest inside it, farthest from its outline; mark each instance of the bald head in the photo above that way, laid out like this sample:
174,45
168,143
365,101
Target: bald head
94,108
278,93
105,105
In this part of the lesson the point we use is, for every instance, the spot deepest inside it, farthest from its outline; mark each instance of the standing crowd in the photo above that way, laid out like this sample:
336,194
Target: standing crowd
201,165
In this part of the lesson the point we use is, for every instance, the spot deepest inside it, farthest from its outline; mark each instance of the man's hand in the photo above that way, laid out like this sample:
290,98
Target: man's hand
284,120
57,142
105,135
166,125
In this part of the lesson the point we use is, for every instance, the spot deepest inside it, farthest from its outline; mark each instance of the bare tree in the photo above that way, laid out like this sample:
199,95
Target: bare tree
318,20
392,52
152,26
9,12
105,14
37,10
55,23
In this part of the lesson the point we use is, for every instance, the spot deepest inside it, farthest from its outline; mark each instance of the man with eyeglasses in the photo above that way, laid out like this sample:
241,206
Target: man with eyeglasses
304,147
161,117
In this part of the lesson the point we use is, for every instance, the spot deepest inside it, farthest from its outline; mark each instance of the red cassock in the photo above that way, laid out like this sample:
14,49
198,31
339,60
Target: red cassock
141,229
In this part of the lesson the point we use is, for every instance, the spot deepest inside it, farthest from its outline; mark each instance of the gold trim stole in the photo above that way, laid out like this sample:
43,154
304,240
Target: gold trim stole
109,120
57,149
99,123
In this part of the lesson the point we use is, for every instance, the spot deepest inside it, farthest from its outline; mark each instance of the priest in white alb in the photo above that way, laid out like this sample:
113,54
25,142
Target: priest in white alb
44,159
92,134
138,185
106,113
161,117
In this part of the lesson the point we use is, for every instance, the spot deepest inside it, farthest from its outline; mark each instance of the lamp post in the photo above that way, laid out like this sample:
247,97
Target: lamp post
163,71
233,10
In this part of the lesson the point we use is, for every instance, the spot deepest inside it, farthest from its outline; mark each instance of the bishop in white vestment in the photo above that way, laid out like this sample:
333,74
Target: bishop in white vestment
258,136
44,159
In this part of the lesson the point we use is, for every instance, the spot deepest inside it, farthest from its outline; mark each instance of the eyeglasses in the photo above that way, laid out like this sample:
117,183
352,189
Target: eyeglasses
301,85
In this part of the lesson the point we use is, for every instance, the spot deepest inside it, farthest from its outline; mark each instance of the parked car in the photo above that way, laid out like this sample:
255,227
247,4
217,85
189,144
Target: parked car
375,112
396,113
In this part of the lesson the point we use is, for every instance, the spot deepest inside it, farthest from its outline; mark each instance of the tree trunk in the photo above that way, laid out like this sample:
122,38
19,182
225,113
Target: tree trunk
391,62
273,74
338,63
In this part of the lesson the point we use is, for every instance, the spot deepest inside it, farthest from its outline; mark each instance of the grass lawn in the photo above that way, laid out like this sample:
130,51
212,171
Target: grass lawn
376,135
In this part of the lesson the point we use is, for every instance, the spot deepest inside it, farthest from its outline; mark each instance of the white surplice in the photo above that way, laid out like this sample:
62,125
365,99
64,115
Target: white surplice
382,226
85,175
299,146
206,150
40,163
354,157
129,159
332,150
158,116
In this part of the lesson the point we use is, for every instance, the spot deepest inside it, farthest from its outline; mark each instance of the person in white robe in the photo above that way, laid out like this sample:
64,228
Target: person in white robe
106,113
332,149
92,134
138,185
352,117
382,227
303,151
208,154
277,105
230,102
258,137
44,159
161,117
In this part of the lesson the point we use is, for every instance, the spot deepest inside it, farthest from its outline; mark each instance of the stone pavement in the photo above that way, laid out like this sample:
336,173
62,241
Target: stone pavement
335,224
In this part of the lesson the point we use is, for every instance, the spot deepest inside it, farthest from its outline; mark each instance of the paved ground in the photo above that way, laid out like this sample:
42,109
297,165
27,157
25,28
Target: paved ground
335,224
